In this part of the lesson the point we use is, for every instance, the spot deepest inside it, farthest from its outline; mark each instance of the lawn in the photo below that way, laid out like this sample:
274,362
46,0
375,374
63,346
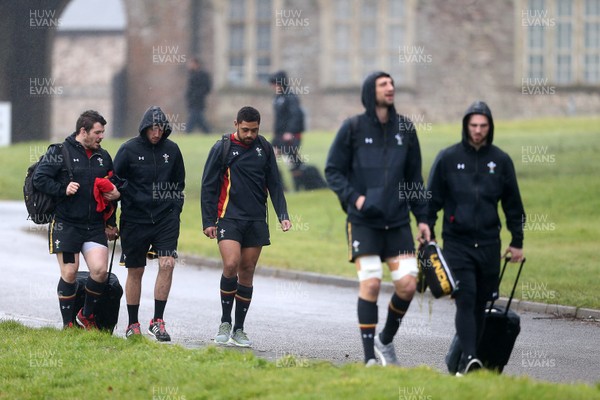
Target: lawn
51,364
557,176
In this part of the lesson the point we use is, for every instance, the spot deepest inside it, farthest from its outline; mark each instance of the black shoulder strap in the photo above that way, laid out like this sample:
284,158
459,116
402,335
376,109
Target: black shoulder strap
225,146
66,160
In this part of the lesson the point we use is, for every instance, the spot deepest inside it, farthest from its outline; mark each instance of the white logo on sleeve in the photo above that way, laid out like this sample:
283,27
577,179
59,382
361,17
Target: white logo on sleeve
460,166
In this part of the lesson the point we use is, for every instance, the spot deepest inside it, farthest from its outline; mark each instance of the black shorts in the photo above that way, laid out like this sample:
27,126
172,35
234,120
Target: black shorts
247,233
136,240
63,237
386,243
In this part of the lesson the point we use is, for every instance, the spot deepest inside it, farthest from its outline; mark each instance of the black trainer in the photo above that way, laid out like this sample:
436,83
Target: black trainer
157,329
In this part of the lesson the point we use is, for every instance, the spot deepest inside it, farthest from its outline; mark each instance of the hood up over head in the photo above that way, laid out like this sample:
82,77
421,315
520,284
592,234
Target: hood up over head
478,107
155,116
368,93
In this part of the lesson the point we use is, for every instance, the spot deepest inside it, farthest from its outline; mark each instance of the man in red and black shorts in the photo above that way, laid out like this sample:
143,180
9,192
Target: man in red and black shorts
240,172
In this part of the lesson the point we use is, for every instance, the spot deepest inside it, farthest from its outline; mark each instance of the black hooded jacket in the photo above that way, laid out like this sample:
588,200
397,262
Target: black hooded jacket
469,183
381,162
154,174
51,177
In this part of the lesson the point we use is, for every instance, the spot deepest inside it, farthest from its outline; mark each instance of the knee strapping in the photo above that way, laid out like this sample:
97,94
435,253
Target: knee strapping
406,266
370,267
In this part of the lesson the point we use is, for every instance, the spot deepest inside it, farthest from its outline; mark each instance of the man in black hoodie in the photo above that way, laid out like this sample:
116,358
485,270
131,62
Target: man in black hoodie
468,180
152,200
77,226
374,167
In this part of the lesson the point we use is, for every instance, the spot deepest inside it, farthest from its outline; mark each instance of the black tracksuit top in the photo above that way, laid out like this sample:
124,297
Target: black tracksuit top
381,162
51,177
154,175
240,191
468,184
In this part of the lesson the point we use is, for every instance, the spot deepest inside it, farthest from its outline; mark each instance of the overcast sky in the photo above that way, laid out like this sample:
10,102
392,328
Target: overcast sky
93,15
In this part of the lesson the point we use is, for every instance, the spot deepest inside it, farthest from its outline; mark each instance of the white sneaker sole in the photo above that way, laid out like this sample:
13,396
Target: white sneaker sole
238,344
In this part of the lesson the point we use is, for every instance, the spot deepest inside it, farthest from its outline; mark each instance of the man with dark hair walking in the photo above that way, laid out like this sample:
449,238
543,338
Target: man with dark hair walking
374,167
77,226
240,172
152,200
468,180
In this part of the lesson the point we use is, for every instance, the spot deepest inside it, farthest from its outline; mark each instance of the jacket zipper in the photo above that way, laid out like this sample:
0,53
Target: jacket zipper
476,196
154,180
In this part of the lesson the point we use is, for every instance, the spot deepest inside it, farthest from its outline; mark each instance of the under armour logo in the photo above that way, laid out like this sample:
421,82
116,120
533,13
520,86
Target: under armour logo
259,151
367,336
491,165
460,166
76,160
235,153
65,307
355,245
368,140
399,139
222,232
140,158
166,157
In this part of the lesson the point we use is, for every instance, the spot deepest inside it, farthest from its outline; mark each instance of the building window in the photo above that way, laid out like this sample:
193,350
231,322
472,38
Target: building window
362,36
249,44
561,41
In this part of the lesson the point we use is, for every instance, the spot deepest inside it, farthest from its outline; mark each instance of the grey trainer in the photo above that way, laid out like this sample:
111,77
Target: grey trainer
239,338
222,336
385,352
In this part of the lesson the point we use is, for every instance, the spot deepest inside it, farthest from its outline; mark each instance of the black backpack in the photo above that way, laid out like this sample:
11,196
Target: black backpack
40,205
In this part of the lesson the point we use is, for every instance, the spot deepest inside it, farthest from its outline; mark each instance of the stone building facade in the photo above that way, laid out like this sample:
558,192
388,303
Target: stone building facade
526,58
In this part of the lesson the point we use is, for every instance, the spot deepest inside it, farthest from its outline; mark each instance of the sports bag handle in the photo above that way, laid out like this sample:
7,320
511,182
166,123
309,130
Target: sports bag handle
512,293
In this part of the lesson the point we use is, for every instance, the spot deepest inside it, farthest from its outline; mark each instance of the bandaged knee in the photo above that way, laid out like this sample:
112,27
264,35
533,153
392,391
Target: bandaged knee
370,267
406,266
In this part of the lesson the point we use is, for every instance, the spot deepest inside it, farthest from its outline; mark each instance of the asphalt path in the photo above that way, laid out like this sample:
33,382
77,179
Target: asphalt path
287,317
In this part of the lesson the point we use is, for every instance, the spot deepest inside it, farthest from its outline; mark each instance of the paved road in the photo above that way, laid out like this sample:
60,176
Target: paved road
309,321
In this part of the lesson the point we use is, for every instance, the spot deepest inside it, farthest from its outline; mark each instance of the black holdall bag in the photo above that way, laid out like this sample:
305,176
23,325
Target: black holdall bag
434,271
106,311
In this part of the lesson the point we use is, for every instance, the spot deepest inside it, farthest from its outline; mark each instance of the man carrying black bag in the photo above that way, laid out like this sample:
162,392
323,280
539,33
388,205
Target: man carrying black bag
80,225
468,180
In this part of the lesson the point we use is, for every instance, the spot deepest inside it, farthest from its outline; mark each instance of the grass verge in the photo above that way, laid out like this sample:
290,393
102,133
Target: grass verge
48,363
